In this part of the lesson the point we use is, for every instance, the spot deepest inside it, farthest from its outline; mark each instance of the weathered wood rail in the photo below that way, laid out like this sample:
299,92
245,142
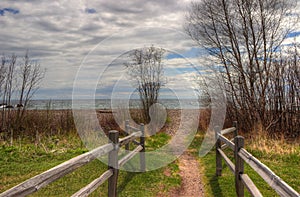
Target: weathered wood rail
39,181
241,156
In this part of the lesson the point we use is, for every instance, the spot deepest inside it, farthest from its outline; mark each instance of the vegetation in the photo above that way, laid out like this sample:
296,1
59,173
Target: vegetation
34,160
146,70
258,73
34,153
19,80
283,160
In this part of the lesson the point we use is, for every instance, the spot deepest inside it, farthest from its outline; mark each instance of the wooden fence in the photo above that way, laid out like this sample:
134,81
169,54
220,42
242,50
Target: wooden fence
241,156
35,183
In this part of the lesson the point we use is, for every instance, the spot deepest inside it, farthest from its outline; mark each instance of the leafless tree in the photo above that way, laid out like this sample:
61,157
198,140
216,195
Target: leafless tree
283,101
9,66
19,80
202,90
2,74
30,75
145,68
243,37
2,85
10,79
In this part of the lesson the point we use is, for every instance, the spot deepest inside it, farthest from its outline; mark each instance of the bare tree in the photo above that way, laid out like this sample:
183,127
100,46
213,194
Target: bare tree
2,87
9,88
243,37
19,80
10,79
202,90
2,74
283,99
145,68
31,75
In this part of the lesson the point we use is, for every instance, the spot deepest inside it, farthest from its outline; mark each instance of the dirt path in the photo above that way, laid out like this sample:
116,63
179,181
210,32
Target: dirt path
190,174
191,185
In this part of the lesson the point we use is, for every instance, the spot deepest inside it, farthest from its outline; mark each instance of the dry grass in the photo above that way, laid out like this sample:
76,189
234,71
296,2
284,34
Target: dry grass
204,119
38,125
262,141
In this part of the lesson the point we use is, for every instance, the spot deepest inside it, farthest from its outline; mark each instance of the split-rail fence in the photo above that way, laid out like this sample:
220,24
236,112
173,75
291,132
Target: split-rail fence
111,148
241,156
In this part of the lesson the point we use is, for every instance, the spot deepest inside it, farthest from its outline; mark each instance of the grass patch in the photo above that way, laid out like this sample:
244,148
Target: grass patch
285,166
24,160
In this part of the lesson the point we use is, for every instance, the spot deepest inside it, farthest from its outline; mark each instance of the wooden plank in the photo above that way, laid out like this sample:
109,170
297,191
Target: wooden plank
35,183
225,145
227,160
87,190
226,141
130,155
239,166
133,128
281,187
218,155
235,124
136,142
142,154
229,130
130,138
113,164
250,186
127,133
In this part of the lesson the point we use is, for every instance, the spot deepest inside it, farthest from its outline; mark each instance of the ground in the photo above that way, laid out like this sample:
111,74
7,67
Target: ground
191,177
191,184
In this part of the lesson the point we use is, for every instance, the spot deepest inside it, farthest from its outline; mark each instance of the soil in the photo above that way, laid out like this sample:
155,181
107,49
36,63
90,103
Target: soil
191,184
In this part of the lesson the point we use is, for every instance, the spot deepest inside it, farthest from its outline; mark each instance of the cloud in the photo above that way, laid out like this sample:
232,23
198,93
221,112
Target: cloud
60,34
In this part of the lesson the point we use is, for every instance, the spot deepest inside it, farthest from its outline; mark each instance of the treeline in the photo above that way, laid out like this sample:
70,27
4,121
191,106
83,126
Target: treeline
259,74
274,105
20,78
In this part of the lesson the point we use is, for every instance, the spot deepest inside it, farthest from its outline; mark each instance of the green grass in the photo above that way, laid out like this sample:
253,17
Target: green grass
23,161
285,166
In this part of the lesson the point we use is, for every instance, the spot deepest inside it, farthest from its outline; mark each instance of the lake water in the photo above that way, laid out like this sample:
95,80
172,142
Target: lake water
106,104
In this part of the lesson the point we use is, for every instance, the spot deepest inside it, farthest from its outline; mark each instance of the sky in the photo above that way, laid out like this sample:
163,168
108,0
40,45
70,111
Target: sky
82,44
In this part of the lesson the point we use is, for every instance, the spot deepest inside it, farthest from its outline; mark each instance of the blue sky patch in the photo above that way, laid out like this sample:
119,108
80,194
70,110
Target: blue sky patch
90,10
9,10
193,52
293,34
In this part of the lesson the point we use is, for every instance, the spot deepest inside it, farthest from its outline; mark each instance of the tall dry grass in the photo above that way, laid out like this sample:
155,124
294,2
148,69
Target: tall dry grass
38,124
262,140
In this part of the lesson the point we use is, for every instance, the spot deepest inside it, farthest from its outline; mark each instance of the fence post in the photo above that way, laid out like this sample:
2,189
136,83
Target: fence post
218,155
236,132
113,164
127,133
142,153
239,166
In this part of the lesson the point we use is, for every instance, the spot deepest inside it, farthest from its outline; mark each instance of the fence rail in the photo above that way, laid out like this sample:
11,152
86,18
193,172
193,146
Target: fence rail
111,148
242,156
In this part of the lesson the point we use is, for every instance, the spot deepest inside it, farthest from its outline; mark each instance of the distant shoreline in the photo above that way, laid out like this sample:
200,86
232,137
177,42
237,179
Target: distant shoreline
105,104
